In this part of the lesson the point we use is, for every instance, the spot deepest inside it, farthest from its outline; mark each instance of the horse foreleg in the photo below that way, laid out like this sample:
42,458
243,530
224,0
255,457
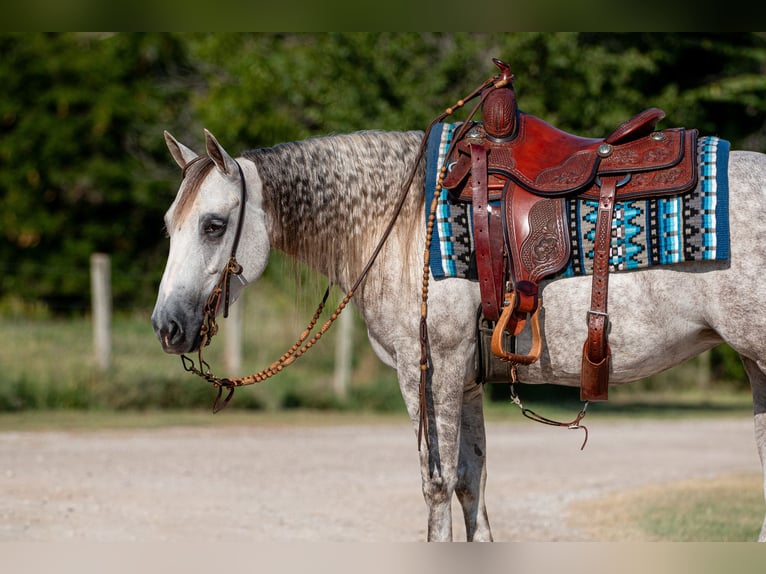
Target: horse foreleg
439,462
472,468
756,372
438,458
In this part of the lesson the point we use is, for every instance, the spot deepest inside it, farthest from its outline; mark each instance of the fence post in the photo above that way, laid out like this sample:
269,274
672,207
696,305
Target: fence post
101,301
705,371
233,327
343,354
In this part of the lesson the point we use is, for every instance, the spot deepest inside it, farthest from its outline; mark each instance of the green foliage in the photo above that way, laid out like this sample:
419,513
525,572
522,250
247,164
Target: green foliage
727,366
83,166
48,363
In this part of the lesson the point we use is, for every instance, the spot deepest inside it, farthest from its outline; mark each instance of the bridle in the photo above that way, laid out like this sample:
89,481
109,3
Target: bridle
221,294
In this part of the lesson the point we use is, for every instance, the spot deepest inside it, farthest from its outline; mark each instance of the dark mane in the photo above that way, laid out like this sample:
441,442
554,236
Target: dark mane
329,197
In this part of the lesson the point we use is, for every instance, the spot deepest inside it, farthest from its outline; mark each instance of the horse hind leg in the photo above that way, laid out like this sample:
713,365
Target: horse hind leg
756,372
472,468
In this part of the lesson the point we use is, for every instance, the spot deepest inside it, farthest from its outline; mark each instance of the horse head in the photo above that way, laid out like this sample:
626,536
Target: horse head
207,225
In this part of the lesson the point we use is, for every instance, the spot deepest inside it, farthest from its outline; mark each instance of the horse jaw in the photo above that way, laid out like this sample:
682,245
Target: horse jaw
255,244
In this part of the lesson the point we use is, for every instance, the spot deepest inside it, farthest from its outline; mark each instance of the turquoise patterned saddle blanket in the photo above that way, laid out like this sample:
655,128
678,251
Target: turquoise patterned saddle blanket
693,226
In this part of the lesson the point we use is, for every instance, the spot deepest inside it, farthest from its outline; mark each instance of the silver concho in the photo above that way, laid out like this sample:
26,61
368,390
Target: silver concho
605,150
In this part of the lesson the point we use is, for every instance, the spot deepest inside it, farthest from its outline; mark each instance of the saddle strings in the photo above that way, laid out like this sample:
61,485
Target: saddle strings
209,327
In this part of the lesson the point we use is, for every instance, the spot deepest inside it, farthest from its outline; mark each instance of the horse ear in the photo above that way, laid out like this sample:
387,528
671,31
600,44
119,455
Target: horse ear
182,154
223,161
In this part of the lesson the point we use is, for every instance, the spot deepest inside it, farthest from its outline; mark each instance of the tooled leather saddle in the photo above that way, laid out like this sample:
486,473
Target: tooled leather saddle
530,168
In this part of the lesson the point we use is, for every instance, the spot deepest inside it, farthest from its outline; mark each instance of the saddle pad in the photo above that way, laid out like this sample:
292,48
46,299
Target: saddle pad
690,227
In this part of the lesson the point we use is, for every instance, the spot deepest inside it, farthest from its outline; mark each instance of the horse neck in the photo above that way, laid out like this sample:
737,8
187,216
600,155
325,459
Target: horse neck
328,199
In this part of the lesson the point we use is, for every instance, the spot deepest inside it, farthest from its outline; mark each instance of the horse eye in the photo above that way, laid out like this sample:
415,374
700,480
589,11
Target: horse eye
214,227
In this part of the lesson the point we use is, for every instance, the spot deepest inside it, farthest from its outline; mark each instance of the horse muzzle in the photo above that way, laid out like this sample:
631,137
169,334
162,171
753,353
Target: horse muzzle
175,335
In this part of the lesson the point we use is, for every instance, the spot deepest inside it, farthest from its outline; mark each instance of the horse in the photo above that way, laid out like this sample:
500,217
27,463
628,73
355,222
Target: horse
326,201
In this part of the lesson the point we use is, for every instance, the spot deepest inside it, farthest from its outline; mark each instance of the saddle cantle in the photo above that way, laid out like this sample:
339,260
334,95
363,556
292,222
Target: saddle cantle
530,168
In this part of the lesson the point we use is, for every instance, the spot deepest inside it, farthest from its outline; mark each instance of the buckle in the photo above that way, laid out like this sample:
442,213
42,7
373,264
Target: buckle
597,313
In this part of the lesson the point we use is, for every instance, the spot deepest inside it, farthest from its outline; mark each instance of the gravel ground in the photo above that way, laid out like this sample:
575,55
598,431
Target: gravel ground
332,483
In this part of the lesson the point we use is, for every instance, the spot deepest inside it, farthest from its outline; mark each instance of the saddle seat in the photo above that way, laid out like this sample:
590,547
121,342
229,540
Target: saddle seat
531,167
549,162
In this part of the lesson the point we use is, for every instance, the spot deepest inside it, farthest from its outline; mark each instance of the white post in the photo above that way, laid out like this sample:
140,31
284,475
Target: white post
343,354
101,298
233,327
705,371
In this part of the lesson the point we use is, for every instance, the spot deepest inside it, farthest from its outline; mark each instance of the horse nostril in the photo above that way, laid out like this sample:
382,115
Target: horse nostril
169,332
173,334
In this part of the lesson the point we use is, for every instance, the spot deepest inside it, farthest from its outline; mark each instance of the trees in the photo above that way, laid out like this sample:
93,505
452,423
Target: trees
83,165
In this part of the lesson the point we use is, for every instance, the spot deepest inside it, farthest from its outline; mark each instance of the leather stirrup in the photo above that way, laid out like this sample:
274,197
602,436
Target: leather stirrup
497,335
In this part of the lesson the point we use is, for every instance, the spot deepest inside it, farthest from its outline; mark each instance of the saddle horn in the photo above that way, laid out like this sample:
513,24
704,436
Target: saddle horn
498,110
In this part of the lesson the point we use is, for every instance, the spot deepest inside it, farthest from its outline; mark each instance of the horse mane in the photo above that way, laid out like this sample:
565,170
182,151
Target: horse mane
330,197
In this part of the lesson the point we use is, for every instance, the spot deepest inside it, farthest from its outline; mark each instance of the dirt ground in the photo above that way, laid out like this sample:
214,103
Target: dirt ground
333,483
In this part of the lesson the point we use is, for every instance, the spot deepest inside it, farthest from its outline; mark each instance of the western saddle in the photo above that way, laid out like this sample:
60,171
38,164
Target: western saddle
531,168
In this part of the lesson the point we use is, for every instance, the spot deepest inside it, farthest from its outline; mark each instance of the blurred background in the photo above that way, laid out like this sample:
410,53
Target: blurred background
84,170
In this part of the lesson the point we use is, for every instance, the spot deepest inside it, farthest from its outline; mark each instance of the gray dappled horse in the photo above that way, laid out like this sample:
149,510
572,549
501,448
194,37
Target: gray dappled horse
326,200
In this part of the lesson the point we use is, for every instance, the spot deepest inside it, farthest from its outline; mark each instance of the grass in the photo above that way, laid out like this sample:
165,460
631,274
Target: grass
99,420
725,509
48,363
564,403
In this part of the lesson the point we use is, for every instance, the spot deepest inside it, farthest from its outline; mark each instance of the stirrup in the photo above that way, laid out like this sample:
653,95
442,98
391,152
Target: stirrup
502,323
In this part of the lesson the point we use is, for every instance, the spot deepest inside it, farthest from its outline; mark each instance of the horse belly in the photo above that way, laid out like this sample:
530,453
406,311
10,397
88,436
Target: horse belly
656,322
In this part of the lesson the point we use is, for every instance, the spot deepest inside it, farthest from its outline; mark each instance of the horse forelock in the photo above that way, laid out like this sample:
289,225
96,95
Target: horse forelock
194,174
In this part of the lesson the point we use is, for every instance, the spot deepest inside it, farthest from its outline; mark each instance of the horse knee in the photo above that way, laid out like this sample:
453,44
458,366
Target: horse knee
466,493
469,480
438,490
